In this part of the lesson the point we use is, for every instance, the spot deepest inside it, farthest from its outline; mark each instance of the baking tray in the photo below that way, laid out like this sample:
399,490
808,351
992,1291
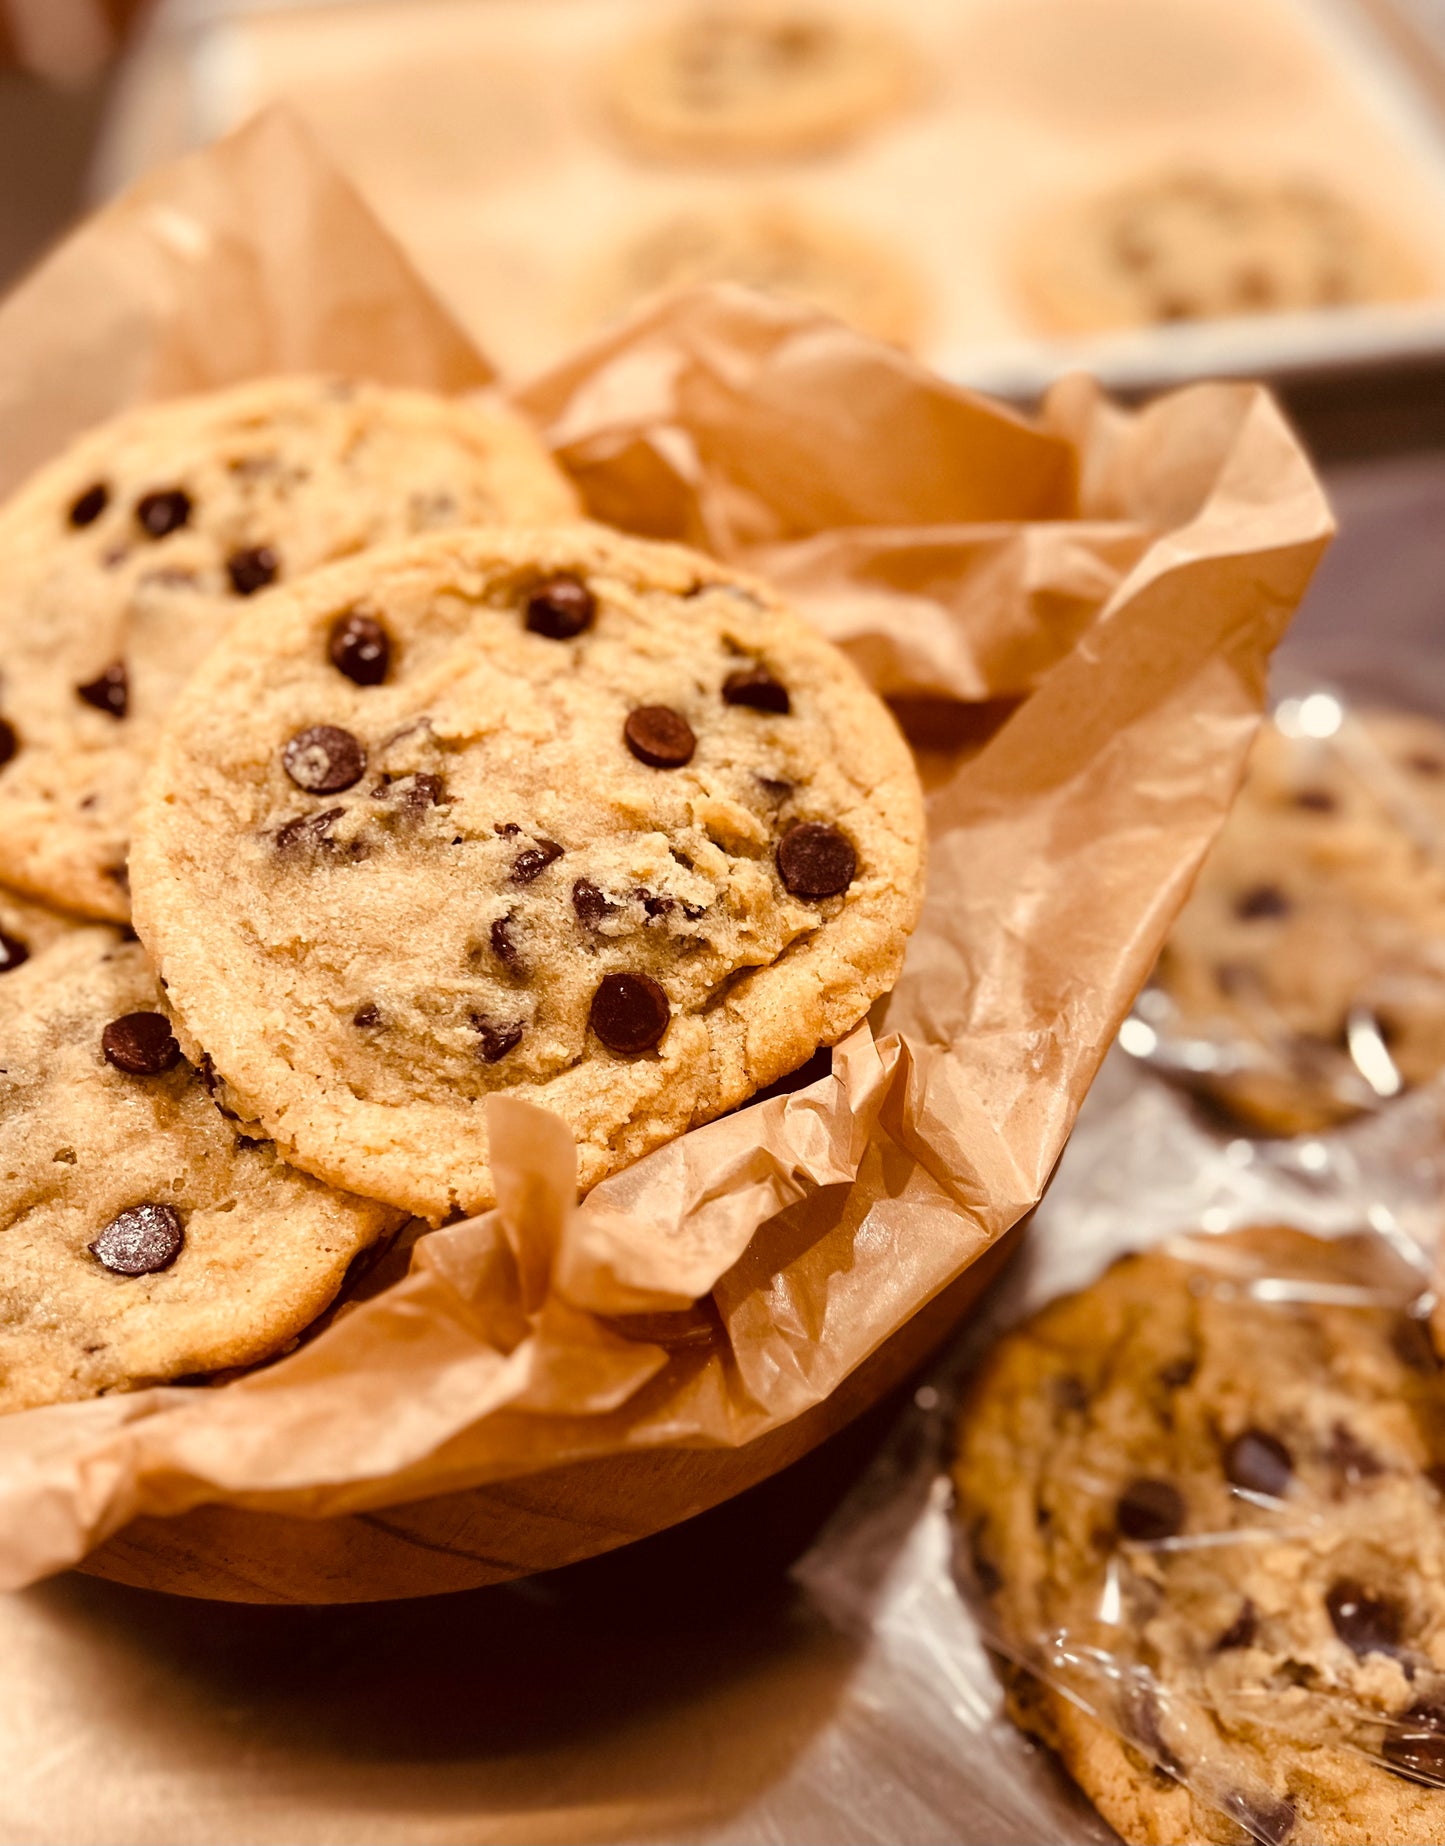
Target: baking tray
507,216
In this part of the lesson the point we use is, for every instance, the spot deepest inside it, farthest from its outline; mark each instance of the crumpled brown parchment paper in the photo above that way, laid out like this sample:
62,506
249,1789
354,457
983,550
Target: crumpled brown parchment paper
1079,614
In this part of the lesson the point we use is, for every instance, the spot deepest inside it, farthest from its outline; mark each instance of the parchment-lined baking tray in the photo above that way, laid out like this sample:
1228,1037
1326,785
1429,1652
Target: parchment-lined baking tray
475,127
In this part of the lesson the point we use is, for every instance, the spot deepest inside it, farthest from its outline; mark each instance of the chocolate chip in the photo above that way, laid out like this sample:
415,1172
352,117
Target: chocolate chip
1178,1372
140,1043
422,791
659,736
360,648
496,1039
1366,1624
630,1013
324,760
12,952
367,1016
503,947
655,903
1316,800
1241,1631
561,608
530,864
164,512
1261,901
1149,1510
252,570
141,1241
1263,1817
1259,1463
109,691
1412,1346
86,508
1414,1746
308,833
1143,1719
816,861
589,903
9,742
1348,1456
755,687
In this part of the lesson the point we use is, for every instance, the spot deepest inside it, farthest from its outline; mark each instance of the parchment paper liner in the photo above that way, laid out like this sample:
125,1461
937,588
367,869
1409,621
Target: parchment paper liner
1116,581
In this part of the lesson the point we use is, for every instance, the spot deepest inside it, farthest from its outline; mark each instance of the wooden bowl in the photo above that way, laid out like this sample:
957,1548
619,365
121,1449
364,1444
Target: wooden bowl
461,1541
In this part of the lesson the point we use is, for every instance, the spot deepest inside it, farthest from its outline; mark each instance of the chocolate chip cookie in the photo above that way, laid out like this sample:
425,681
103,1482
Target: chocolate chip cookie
144,1235
757,79
1312,953
772,246
127,557
561,814
26,927
1205,1506
1199,245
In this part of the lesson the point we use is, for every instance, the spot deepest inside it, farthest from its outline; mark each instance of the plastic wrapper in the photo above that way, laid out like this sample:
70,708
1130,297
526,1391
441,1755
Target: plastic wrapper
893,1569
1080,611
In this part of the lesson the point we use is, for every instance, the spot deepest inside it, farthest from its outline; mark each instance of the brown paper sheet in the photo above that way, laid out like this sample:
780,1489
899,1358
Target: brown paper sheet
1110,584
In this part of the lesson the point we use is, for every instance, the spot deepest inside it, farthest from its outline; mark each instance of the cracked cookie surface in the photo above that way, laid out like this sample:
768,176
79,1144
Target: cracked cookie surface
144,1235
128,556
600,825
1205,1500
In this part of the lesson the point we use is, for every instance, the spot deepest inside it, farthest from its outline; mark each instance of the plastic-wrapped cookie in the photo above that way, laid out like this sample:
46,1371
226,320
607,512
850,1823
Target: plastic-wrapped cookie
757,79
1205,1502
127,557
1307,971
768,245
144,1236
561,814
1199,245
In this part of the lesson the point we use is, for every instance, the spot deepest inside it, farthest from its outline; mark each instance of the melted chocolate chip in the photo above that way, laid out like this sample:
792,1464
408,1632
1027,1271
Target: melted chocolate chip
659,736
655,903
589,903
308,833
367,1016
253,569
86,508
630,1013
1259,1463
9,742
1261,901
12,952
535,860
1241,1631
756,688
1367,1624
163,512
560,609
1262,1816
816,860
1414,1746
141,1241
1150,1510
1316,800
109,691
1412,1346
1348,1456
496,1039
141,1044
503,946
360,648
1178,1372
324,760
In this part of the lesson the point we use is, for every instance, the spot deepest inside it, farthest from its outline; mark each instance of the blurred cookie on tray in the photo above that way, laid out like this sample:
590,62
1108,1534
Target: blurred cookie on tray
756,79
1203,1504
1192,244
1304,982
773,246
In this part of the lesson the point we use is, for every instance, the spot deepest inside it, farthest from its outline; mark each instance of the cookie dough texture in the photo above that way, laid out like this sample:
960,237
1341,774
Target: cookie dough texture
1313,948
557,790
81,1141
128,556
1208,1530
757,79
1200,245
772,246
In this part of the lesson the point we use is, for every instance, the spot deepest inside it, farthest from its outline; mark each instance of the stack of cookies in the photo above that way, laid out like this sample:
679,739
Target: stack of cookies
416,790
